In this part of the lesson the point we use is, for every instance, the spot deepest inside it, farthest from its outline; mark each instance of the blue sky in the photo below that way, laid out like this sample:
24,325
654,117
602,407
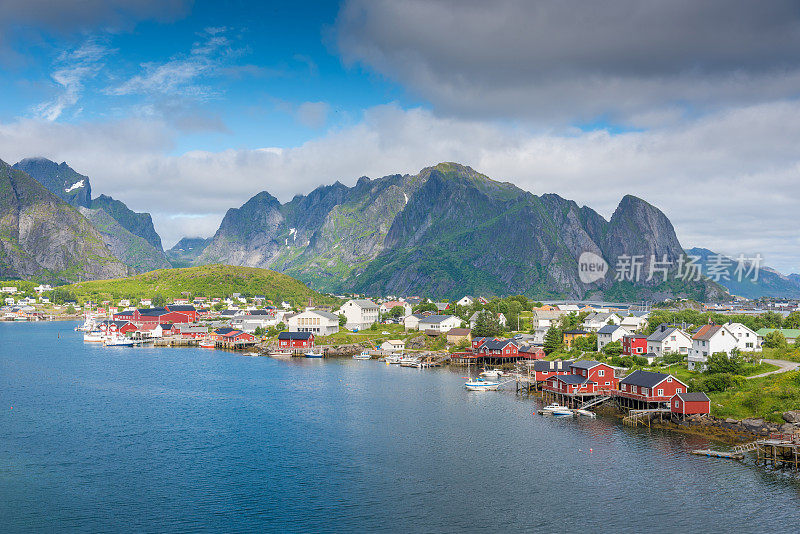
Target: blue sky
186,109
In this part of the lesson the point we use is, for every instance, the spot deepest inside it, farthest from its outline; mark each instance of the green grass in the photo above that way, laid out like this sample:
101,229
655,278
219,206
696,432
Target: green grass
208,280
766,397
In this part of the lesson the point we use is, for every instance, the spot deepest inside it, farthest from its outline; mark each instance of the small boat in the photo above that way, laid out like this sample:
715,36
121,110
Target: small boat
251,354
492,373
363,356
409,362
312,354
586,413
118,341
95,336
556,409
479,384
207,344
280,354
392,359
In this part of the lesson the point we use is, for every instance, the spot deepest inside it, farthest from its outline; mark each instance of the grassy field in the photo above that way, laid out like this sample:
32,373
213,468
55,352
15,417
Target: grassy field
766,397
207,280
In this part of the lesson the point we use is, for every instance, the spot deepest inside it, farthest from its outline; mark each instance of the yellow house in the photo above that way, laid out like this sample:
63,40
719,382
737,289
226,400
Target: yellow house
572,335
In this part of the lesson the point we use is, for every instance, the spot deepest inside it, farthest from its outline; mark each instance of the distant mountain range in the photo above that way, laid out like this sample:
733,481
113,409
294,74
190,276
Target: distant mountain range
444,232
768,283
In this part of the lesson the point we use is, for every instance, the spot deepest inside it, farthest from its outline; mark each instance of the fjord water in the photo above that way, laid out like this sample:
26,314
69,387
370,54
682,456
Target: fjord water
156,439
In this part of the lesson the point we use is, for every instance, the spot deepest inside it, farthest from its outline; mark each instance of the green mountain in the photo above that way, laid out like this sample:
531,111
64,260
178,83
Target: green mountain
186,251
60,179
445,232
207,280
42,237
768,283
140,224
130,236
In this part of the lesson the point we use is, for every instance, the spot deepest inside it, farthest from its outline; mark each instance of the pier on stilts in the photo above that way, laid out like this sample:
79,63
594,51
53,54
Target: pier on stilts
778,450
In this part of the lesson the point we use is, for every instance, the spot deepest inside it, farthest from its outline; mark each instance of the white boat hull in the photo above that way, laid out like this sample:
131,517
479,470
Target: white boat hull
485,386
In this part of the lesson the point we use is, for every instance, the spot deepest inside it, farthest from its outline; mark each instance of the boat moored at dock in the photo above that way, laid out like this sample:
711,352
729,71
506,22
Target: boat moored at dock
480,384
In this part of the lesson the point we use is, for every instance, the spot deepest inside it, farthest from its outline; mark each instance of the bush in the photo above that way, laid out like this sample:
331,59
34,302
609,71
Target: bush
775,340
716,382
719,362
673,357
613,349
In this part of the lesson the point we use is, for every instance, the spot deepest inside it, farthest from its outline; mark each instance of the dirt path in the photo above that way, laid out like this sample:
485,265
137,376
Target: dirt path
783,364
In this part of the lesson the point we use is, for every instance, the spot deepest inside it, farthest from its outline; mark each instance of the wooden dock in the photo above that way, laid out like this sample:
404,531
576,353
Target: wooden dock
719,454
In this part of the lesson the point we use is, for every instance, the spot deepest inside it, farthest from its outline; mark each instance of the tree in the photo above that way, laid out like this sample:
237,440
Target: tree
71,310
395,312
720,362
552,340
425,306
259,331
792,320
281,326
158,300
219,306
342,320
775,340
613,349
486,325
586,343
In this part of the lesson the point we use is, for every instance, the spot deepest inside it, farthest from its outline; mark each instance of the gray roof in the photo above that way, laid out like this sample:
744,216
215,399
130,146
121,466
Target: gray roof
647,379
608,329
660,335
434,319
573,379
364,303
327,315
585,364
497,344
693,396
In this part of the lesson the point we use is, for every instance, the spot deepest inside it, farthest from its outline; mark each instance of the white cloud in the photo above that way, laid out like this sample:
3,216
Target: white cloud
74,67
728,181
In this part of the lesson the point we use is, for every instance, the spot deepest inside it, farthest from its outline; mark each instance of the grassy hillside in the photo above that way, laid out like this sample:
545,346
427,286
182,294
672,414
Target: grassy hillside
207,280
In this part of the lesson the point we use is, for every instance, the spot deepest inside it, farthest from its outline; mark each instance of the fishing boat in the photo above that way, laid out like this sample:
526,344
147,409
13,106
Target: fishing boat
393,359
118,341
95,336
206,344
492,373
312,354
480,384
363,356
556,409
409,362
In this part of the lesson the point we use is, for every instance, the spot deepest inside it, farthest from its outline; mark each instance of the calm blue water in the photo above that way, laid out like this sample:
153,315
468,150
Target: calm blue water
144,439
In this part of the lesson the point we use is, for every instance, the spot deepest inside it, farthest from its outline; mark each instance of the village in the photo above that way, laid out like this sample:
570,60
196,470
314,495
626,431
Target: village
578,355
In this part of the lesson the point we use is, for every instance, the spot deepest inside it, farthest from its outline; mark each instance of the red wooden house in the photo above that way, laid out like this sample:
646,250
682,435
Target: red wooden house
647,386
231,335
149,318
119,327
531,352
688,403
570,384
500,348
478,341
634,344
296,340
599,373
544,369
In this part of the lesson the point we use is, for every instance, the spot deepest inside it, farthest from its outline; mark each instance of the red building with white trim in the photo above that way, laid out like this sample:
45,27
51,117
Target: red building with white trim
647,386
694,402
296,340
634,344
600,373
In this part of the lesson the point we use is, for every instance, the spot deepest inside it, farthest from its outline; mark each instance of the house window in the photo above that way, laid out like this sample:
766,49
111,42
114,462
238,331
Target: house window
635,389
669,379
677,403
679,390
601,373
660,392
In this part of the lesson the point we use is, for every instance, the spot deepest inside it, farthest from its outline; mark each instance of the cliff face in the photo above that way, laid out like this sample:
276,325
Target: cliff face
59,179
186,251
447,231
139,224
41,236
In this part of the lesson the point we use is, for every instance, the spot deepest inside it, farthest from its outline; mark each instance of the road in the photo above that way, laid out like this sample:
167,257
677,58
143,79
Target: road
783,364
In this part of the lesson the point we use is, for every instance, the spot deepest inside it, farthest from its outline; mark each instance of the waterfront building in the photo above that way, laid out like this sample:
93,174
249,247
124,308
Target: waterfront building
296,340
648,386
360,313
318,322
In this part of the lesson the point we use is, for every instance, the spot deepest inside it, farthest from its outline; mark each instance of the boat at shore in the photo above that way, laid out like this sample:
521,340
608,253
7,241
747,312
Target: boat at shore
556,409
280,354
363,356
312,354
393,359
206,344
480,384
117,341
586,413
94,336
408,361
492,373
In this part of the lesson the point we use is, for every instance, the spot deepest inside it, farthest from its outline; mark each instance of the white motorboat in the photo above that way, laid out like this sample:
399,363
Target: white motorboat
251,354
312,354
280,354
492,373
393,359
409,362
479,384
363,356
586,413
95,336
118,341
207,344
556,409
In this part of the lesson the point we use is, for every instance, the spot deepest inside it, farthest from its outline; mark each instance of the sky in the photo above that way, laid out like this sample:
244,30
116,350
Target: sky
188,108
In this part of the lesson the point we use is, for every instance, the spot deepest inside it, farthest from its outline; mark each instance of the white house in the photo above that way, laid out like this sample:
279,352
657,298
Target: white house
411,322
634,322
746,339
546,318
386,307
439,323
320,323
708,340
669,339
466,300
42,288
360,313
393,345
610,333
597,320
